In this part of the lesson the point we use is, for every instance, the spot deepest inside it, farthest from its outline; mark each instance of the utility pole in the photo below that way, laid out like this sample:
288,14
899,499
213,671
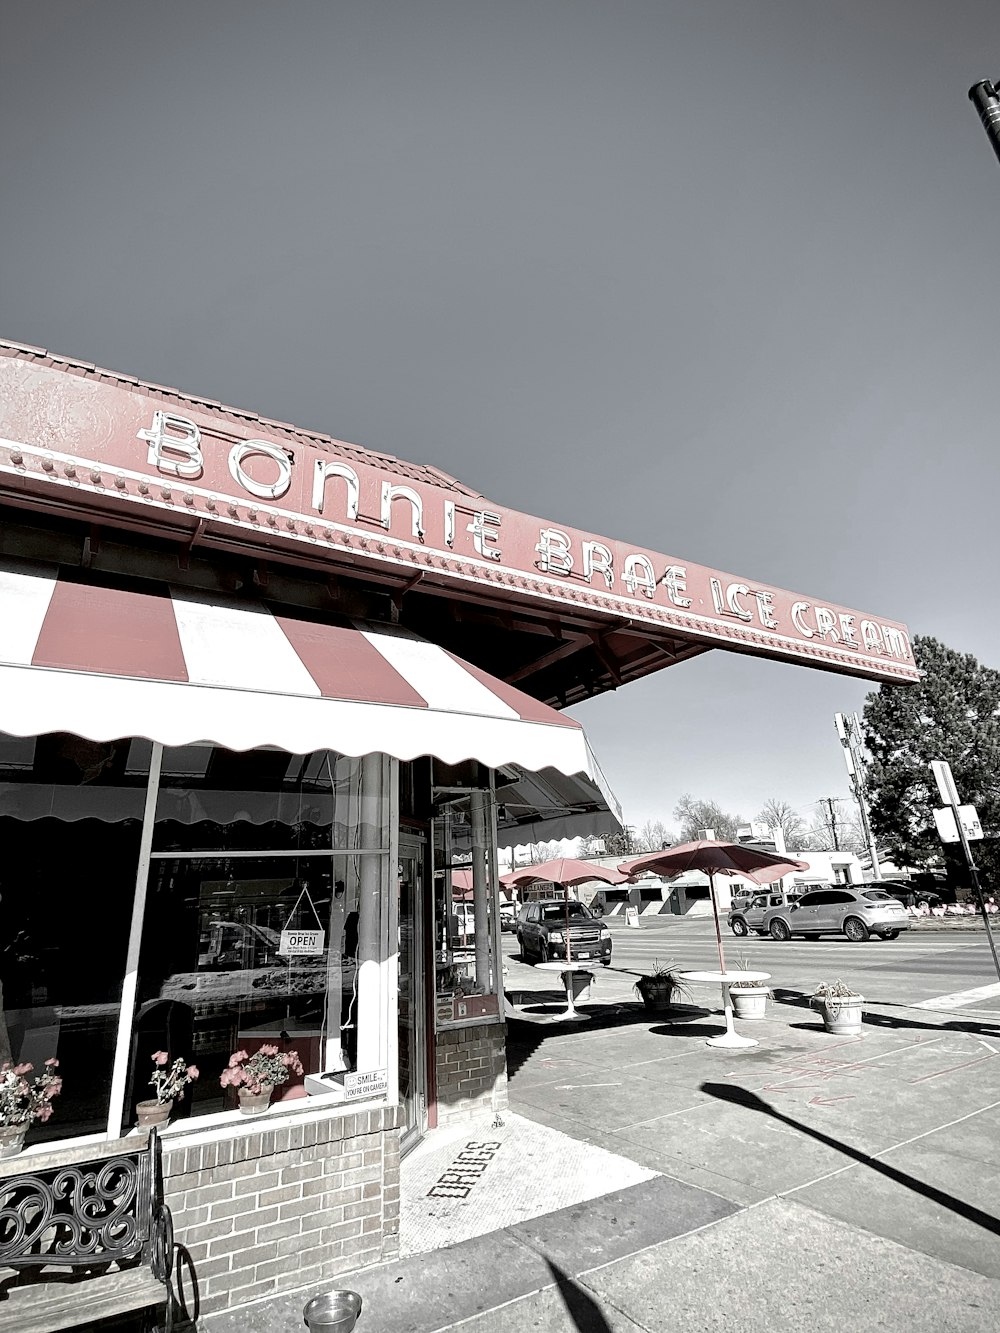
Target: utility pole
849,730
986,99
831,803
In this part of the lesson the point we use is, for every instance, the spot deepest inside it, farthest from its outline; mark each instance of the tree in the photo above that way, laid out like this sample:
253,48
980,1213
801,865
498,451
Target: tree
779,814
835,829
693,816
622,843
952,713
653,836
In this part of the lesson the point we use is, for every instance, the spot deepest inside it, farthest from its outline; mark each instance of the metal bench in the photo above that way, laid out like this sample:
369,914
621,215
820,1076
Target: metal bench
84,1236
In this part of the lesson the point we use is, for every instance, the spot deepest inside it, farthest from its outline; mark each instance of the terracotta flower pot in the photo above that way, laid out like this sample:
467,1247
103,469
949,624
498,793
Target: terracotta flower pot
253,1103
657,993
153,1112
749,1001
12,1139
842,1015
580,982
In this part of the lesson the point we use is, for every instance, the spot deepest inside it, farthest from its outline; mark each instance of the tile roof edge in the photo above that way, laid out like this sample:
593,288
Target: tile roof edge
12,349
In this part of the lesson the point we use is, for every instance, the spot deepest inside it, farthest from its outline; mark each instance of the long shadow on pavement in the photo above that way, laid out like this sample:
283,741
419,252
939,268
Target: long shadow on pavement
984,1028
741,1097
581,1308
524,1038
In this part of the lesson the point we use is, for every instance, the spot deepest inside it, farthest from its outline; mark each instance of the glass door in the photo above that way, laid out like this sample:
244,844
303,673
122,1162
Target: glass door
412,993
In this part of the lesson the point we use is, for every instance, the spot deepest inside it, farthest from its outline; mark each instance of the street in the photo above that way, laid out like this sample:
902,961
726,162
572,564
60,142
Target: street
919,966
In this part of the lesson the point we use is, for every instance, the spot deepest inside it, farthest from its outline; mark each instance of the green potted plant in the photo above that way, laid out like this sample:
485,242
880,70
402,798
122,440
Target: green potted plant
170,1082
658,989
841,1007
24,1099
256,1076
749,997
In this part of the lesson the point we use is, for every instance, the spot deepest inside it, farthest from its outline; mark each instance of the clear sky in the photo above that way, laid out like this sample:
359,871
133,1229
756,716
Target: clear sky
715,277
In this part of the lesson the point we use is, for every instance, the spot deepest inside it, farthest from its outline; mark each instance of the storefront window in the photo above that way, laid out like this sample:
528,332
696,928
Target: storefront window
212,799
251,951
70,820
264,920
467,973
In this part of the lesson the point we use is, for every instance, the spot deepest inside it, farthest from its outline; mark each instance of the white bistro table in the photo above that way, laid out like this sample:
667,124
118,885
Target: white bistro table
571,1011
730,1038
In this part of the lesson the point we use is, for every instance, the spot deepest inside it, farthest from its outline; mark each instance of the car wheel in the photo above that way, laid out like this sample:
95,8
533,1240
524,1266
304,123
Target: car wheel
856,931
605,962
543,952
740,927
778,930
891,935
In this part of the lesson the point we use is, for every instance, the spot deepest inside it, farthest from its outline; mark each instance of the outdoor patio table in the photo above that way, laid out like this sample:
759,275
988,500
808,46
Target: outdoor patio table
571,1011
730,1038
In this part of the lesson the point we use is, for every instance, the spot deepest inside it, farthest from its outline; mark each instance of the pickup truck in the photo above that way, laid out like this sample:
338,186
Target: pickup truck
541,933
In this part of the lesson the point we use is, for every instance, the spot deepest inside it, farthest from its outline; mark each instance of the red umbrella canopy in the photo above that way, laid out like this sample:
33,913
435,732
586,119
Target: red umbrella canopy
565,872
461,884
714,858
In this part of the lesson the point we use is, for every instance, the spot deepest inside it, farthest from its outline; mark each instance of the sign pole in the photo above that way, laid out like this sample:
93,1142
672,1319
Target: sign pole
949,794
974,876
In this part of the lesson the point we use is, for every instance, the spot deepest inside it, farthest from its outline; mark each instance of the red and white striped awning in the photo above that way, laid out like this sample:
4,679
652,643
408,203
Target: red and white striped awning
180,666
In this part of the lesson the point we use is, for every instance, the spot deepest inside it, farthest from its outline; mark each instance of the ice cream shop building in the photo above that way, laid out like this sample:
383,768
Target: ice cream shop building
262,695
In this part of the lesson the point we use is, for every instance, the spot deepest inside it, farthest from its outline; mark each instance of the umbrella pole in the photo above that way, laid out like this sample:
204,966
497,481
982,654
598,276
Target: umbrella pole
569,957
715,913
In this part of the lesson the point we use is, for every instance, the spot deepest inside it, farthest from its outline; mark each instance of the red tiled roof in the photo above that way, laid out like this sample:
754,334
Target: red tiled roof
416,471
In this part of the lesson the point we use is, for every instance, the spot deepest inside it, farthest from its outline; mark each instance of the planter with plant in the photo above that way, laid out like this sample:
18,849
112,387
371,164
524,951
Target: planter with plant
256,1076
658,989
23,1100
841,1007
170,1082
749,997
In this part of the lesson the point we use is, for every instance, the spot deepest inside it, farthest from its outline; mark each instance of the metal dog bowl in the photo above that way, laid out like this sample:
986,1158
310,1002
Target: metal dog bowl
334,1312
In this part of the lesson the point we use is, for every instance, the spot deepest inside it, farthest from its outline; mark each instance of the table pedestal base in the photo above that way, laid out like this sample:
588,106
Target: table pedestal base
570,1014
731,1039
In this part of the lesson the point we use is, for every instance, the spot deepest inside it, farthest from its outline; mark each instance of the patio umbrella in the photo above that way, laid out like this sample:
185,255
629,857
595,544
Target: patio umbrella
714,858
565,872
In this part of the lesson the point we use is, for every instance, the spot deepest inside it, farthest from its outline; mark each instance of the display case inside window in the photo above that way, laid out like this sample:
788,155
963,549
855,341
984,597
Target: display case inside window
468,964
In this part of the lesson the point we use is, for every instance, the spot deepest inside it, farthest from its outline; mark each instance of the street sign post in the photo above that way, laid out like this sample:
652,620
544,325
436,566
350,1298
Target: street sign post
956,822
945,781
944,818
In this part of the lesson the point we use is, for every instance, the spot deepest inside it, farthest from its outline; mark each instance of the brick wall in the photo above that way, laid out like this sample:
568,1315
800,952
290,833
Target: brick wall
471,1072
271,1209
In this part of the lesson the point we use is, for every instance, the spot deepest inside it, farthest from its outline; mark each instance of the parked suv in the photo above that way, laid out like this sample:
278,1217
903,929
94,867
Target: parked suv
541,932
747,913
855,912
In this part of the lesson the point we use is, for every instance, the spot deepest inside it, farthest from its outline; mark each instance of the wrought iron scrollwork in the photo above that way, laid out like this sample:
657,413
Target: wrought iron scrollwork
87,1215
73,1215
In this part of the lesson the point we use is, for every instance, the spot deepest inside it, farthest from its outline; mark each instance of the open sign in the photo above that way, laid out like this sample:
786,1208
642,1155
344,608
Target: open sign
301,943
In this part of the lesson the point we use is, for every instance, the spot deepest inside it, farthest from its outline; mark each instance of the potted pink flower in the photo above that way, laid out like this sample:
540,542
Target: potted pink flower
24,1099
170,1082
256,1076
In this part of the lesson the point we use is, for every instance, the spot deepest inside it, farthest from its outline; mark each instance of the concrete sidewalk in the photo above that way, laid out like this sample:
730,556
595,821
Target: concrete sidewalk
810,1182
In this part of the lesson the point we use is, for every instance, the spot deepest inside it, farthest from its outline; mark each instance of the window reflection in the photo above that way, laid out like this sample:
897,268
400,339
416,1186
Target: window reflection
71,842
213,799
